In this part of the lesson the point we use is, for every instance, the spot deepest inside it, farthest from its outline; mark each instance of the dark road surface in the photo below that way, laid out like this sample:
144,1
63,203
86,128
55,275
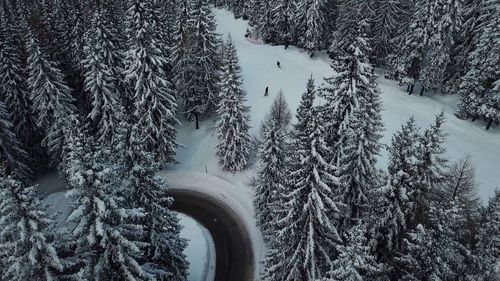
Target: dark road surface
234,255
233,247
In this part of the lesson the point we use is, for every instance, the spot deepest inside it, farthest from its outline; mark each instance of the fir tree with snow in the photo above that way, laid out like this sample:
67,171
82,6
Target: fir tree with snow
311,19
391,224
433,252
52,99
352,81
390,17
477,86
442,27
282,16
109,239
13,156
100,77
310,225
164,248
15,91
488,246
232,115
355,261
200,97
154,102
358,154
431,167
271,178
27,251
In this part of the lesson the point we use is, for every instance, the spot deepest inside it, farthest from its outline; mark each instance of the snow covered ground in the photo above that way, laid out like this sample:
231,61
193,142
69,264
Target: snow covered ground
259,71
198,169
200,250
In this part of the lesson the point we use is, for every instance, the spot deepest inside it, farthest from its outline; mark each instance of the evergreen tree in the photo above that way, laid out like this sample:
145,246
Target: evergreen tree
488,246
271,178
282,15
13,157
433,253
310,226
357,170
27,251
51,97
311,20
100,74
431,167
442,29
164,248
355,261
15,91
200,99
107,233
352,80
233,118
425,46
264,22
391,225
153,99
464,44
477,86
411,43
182,49
390,17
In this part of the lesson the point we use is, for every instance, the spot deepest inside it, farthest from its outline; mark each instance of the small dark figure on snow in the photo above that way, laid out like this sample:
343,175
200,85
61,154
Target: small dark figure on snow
267,92
278,64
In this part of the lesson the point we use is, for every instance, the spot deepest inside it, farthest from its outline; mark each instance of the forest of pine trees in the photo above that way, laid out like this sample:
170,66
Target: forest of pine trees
94,90
445,46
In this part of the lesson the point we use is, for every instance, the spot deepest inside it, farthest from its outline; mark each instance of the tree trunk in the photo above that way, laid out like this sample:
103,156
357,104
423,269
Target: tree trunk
197,121
490,122
412,87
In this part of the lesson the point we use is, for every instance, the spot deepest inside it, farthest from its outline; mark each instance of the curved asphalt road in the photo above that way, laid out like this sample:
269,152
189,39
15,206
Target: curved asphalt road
233,247
234,255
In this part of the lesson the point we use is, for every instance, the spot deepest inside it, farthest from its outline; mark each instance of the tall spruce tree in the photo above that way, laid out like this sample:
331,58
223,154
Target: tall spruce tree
271,177
431,168
282,15
15,90
100,76
51,97
109,239
390,17
352,79
13,156
310,18
164,248
391,225
358,153
27,251
355,261
232,115
479,86
488,246
154,103
313,213
201,97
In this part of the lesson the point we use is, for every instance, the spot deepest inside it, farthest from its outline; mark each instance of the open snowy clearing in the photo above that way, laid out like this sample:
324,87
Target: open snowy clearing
259,70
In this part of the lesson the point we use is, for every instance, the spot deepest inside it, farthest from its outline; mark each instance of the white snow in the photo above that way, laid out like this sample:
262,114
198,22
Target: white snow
259,70
200,251
199,171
